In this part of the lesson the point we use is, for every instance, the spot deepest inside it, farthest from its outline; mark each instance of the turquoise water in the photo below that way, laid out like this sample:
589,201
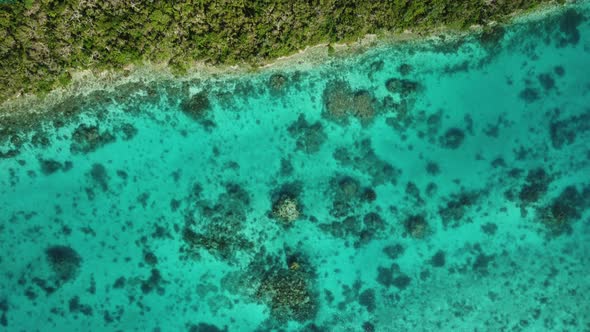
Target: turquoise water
426,186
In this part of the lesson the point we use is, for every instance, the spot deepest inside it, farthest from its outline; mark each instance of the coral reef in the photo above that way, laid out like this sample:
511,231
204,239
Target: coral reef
342,103
65,263
346,193
558,215
196,106
452,138
277,83
363,158
286,204
308,137
360,230
416,226
88,138
564,131
98,174
217,228
393,276
401,86
286,209
537,183
456,207
50,166
288,294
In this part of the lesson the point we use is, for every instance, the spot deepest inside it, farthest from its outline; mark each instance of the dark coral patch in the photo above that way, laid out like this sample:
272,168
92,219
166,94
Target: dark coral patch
452,138
405,69
337,99
393,251
401,86
438,259
367,300
492,36
64,261
529,95
458,205
562,211
393,277
565,131
546,81
537,182
341,102
309,137
50,166
277,83
568,27
289,295
196,106
205,327
99,176
216,227
88,138
416,226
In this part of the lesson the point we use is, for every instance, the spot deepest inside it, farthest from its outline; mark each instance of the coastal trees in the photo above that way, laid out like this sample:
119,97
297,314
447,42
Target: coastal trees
42,41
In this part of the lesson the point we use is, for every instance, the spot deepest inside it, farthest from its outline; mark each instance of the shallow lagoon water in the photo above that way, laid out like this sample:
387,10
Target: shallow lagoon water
416,187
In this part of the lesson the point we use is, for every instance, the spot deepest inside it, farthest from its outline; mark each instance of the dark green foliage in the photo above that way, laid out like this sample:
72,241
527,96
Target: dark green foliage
41,42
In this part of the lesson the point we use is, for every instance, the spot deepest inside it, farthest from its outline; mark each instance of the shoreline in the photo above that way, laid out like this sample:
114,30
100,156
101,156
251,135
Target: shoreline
85,82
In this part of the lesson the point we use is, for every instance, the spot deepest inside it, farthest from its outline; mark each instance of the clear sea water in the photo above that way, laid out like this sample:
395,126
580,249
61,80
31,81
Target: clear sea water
424,186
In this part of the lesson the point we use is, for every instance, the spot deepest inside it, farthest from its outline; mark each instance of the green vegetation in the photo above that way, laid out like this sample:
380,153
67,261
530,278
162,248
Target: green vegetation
42,41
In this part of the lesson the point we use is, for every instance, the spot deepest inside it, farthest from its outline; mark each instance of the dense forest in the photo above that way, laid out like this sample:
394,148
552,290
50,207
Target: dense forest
43,41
